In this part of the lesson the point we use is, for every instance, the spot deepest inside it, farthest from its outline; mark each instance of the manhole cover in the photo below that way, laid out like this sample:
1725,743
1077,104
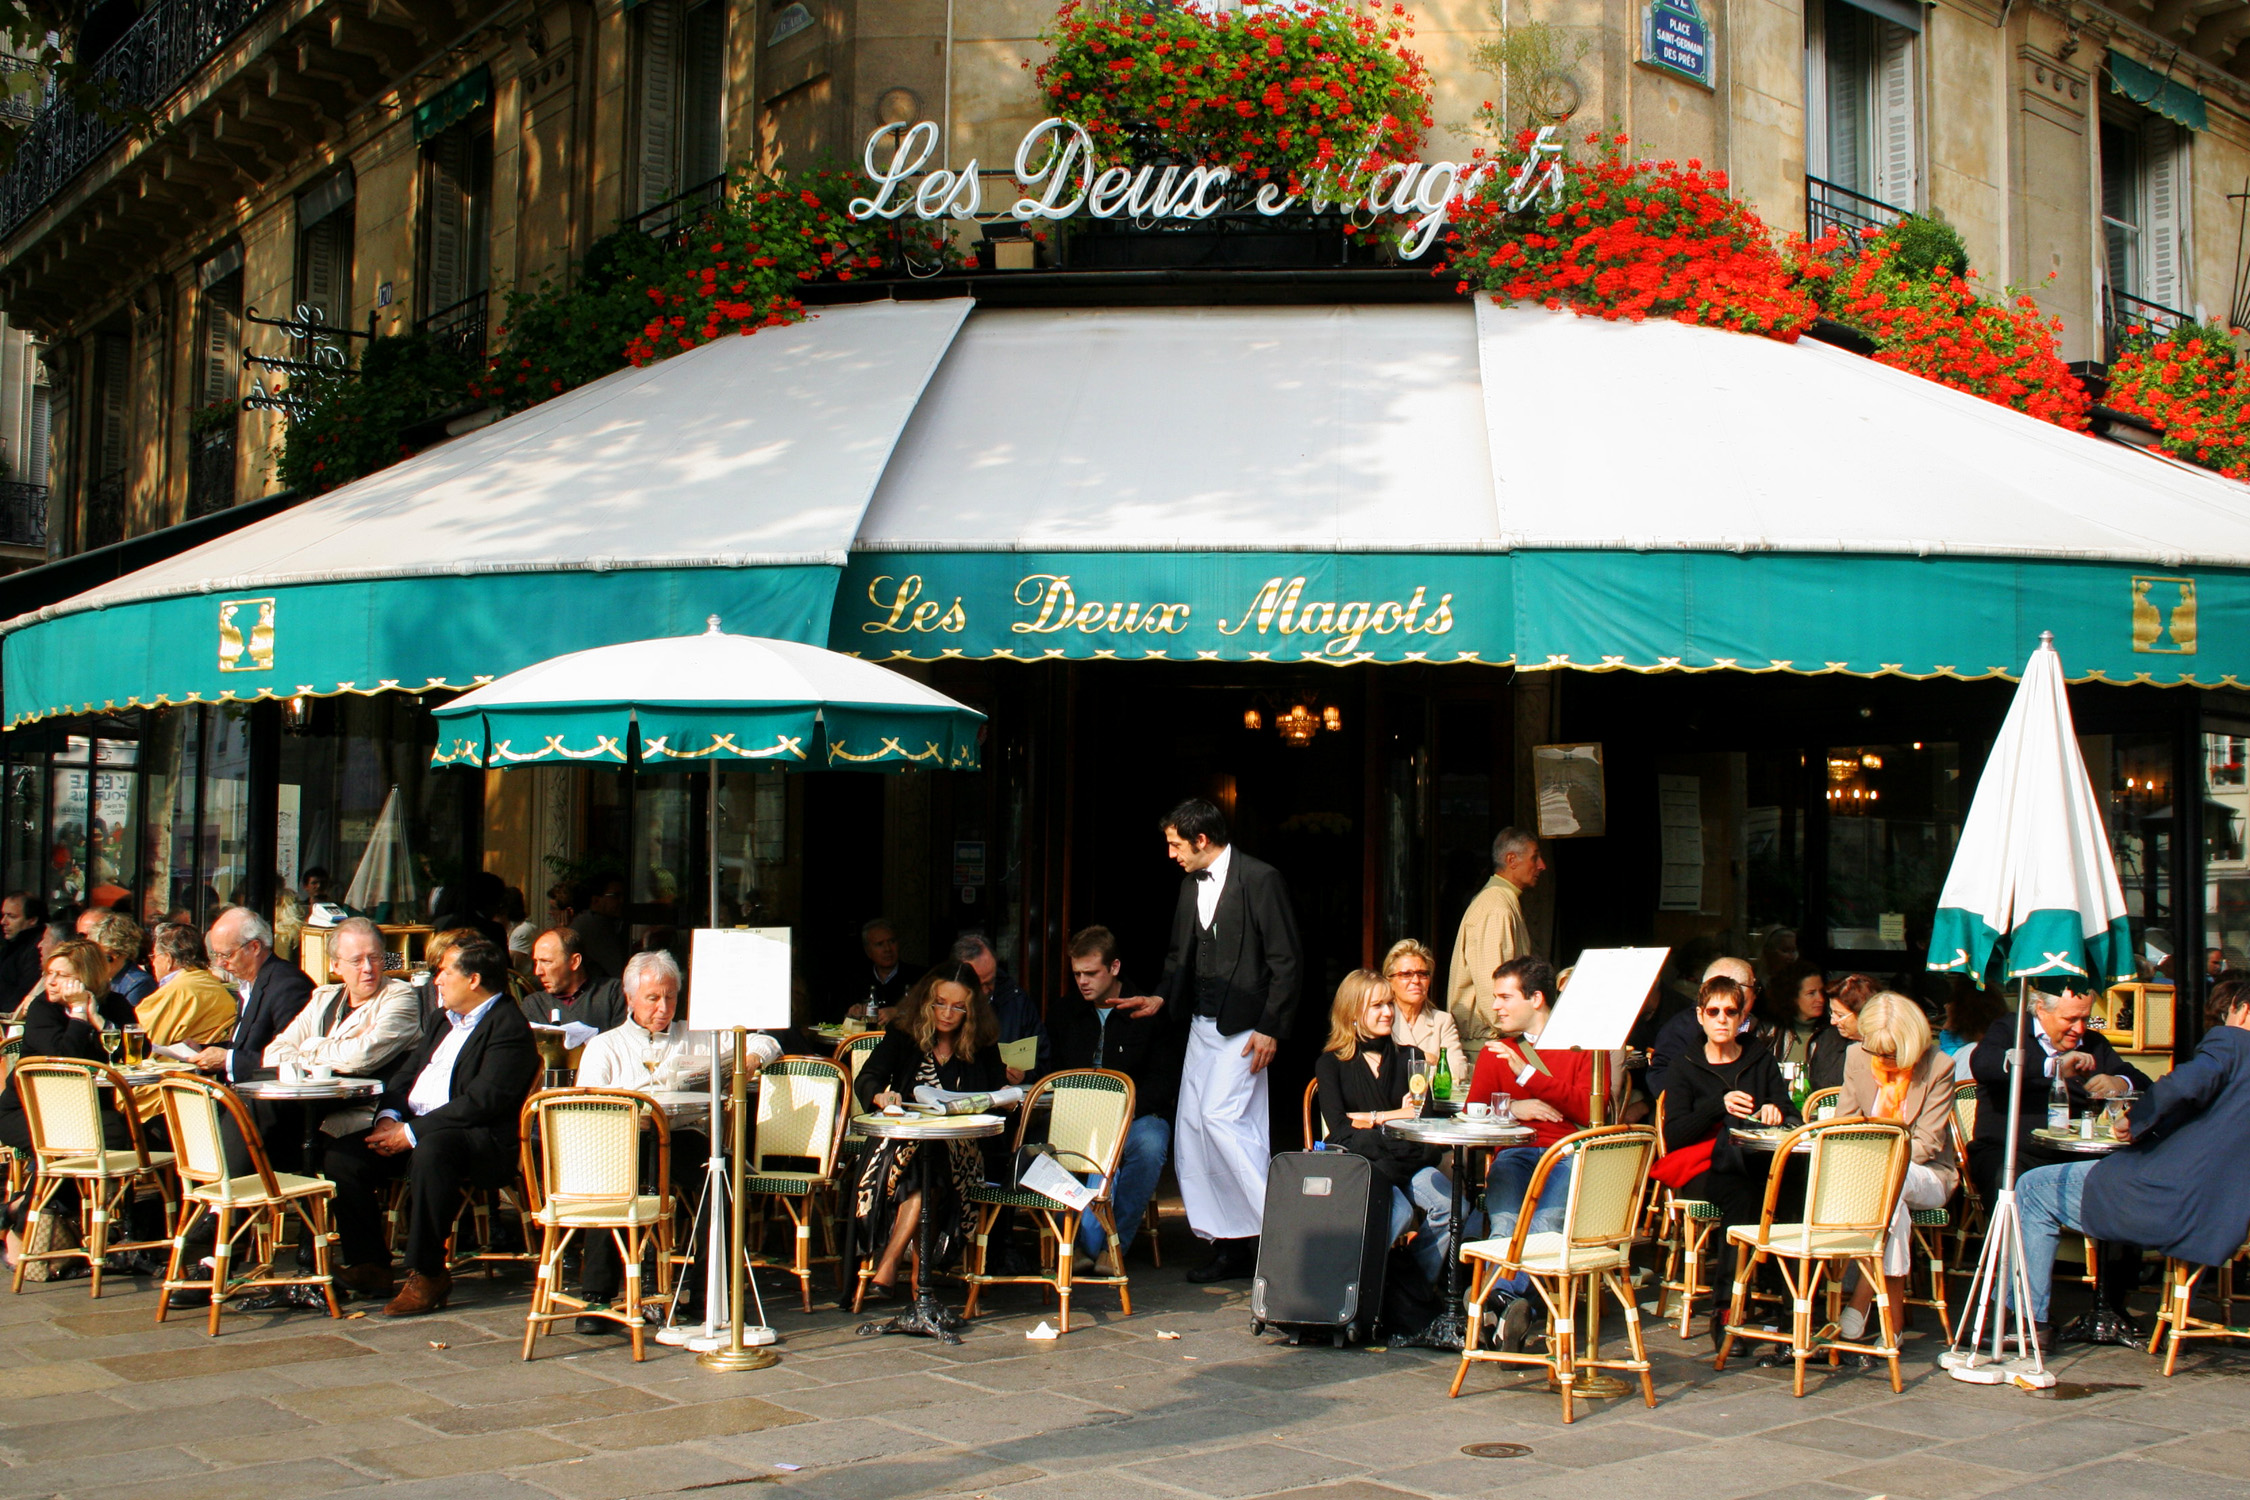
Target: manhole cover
1497,1450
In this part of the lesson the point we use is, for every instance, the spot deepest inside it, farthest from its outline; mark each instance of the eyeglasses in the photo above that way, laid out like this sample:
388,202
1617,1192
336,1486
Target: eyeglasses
1410,976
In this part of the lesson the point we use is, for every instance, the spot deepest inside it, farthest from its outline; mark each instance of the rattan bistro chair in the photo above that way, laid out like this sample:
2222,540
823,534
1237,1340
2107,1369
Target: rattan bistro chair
1686,1228
2175,1318
1851,1187
1092,1111
583,1150
257,1204
1592,1250
62,1105
800,1130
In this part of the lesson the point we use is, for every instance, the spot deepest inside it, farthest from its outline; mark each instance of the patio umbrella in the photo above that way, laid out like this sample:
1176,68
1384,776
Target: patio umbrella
2033,879
383,883
683,702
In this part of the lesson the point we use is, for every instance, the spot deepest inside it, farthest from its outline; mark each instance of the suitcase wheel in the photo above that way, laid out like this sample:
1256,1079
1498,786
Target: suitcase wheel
1338,1338
1295,1339
1257,1328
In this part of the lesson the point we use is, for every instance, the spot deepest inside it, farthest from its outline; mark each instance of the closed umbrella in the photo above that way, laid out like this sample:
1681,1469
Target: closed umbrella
2033,880
383,882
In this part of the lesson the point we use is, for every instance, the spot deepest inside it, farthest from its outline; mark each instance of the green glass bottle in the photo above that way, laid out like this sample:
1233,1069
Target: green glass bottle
1441,1084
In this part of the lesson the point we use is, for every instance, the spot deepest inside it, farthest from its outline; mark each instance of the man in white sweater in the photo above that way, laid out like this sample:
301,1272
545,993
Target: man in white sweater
356,1029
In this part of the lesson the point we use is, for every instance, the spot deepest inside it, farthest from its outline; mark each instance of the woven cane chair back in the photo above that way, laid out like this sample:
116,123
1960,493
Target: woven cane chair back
799,1102
589,1148
195,1109
1605,1184
854,1051
1093,1108
1856,1170
62,1103
1965,1111
1820,1099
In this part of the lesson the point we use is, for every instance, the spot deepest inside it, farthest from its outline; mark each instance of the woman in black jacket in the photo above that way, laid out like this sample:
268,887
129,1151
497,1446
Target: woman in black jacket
66,1020
1845,997
947,1038
1363,1082
1725,1083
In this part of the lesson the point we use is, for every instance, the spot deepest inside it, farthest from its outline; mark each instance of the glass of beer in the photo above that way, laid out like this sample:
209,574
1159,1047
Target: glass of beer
136,1046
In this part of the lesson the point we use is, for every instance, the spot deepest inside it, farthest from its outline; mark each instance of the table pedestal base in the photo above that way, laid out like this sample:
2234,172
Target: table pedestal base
2102,1325
926,1319
1594,1385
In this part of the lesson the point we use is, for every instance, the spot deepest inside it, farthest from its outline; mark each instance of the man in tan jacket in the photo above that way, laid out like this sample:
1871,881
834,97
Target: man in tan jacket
1492,932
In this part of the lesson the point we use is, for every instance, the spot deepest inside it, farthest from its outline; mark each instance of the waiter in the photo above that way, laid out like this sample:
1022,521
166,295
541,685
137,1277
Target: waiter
1230,980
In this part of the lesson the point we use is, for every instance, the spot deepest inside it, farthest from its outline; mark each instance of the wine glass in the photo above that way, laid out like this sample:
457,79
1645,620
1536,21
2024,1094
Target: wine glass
652,1060
112,1041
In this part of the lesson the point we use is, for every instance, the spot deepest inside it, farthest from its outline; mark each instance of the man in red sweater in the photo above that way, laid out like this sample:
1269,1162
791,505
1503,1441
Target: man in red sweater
1550,1092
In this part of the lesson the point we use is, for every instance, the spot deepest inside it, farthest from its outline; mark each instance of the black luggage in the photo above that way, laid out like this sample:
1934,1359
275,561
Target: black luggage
1322,1246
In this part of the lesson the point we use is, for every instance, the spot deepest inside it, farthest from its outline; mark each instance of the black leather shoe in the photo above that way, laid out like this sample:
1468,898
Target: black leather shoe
596,1327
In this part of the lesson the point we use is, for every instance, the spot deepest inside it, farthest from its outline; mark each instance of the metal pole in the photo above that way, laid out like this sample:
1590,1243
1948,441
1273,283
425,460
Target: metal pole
737,1356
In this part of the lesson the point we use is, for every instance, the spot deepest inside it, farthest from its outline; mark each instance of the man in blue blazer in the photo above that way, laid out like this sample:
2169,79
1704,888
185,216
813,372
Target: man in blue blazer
2179,1187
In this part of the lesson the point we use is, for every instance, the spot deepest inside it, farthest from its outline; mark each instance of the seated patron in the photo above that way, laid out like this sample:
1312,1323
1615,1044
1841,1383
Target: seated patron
1362,1078
2178,1188
1089,1031
1895,1072
447,1122
65,1020
652,1052
1410,969
240,945
119,938
1729,1081
568,989
1797,1010
884,982
189,1009
2061,1045
357,1027
22,918
1846,997
1683,1032
946,1037
1016,1013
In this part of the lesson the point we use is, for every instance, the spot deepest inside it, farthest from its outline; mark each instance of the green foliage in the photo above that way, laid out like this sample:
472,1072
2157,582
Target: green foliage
1535,64
353,424
1926,246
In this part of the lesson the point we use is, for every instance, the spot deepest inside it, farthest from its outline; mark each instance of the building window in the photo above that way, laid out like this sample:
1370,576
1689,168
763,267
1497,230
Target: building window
108,442
2144,228
680,103
1862,153
457,233
218,363
324,251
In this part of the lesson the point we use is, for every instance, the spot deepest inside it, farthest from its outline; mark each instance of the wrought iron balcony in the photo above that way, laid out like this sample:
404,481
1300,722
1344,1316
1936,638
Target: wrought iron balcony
460,328
1831,208
681,211
159,53
104,520
2128,320
210,471
23,514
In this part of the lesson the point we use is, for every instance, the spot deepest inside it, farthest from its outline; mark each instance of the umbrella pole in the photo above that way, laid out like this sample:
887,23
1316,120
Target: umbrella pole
711,846
2002,1287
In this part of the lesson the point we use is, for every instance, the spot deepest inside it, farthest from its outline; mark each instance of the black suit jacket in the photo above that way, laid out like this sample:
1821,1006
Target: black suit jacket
1989,1066
1259,954
1143,1048
279,992
492,1073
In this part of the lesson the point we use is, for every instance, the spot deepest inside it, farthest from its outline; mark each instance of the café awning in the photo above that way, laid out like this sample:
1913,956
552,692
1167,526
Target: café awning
1450,483
729,480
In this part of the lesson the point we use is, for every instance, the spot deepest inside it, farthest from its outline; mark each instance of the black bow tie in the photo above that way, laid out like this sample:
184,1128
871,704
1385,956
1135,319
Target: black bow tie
1203,874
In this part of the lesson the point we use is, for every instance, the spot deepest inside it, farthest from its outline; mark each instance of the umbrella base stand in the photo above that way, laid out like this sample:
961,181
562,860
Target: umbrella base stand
2002,1264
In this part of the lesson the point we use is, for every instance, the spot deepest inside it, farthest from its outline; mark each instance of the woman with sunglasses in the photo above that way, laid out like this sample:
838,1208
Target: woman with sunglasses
1429,1029
946,1037
1729,1081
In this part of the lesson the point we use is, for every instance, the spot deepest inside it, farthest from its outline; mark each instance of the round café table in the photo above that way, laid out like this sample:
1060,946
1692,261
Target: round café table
2100,1143
927,1318
2105,1322
1450,1329
317,1097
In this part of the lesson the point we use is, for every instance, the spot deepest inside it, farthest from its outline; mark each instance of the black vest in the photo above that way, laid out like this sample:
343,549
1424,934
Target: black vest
1210,984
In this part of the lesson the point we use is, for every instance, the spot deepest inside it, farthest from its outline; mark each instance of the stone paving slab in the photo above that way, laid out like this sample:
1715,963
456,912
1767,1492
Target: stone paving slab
98,1401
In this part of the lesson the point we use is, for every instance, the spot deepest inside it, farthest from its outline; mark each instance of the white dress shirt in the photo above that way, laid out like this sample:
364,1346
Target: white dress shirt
433,1086
1208,889
618,1059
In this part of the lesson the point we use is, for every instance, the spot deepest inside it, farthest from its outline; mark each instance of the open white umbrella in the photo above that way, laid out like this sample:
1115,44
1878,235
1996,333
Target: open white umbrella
2032,876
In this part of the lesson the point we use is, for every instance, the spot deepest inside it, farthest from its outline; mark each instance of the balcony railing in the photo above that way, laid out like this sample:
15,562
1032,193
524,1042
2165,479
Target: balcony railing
210,472
460,328
105,513
159,53
681,211
23,514
2128,320
1833,209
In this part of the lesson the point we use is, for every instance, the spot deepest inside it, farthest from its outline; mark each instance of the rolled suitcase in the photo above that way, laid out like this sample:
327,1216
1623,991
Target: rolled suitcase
1322,1247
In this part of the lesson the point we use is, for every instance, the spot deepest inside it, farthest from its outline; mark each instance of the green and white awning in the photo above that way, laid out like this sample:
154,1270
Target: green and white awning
691,702
2033,870
1446,482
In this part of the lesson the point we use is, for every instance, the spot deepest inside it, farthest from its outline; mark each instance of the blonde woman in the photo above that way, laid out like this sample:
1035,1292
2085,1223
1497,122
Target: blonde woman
1410,969
65,1019
1362,1076
1896,1072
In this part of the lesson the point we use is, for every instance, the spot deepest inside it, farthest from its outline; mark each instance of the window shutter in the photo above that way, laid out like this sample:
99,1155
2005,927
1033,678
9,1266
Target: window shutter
222,340
446,222
659,101
114,377
32,466
703,75
324,267
1895,156
1848,68
2164,232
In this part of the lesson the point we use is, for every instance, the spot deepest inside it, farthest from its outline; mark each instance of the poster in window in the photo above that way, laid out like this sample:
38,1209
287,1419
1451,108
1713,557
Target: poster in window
1568,781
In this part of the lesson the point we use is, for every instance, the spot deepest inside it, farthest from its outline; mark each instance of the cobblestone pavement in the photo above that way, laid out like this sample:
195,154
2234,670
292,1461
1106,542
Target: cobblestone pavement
98,1401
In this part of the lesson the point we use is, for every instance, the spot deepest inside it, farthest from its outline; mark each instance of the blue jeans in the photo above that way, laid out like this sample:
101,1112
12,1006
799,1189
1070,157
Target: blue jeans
2049,1200
1148,1144
1504,1187
1431,1191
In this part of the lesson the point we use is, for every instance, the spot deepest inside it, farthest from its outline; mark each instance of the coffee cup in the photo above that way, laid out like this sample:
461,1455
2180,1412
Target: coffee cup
290,1073
1479,1111
320,1073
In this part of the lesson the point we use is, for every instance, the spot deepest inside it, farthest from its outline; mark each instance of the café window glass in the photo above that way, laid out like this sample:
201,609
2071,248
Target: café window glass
1894,816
